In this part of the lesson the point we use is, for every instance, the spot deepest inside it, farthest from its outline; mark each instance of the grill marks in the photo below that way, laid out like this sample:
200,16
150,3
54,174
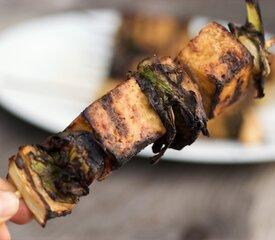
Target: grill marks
119,123
232,77
112,129
215,59
124,122
234,65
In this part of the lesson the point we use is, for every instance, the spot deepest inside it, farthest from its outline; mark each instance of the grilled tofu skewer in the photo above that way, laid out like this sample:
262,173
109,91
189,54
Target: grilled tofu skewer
165,102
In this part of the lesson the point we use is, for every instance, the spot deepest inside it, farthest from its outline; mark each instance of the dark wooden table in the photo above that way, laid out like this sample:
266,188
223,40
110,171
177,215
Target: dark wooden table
168,201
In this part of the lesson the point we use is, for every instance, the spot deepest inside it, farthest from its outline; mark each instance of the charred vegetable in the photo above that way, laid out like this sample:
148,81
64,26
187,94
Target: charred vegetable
251,35
165,102
180,109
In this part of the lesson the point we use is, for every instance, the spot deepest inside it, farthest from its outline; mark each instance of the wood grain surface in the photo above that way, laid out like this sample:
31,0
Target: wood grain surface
174,201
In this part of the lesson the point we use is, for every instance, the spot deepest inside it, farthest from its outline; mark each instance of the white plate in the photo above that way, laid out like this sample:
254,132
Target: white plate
51,69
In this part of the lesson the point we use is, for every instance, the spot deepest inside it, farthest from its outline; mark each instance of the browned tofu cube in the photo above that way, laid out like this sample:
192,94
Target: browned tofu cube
122,120
219,64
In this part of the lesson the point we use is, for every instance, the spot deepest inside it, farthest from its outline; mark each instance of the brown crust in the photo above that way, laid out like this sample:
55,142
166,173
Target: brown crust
216,60
122,121
216,97
107,103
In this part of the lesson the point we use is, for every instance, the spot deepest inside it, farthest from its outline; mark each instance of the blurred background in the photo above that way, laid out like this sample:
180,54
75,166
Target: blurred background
57,56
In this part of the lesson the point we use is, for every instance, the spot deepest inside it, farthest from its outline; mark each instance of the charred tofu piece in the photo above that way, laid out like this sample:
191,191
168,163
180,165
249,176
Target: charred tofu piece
219,64
122,120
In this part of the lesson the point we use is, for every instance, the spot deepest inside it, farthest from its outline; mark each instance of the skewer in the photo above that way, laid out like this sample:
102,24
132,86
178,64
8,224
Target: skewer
166,102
